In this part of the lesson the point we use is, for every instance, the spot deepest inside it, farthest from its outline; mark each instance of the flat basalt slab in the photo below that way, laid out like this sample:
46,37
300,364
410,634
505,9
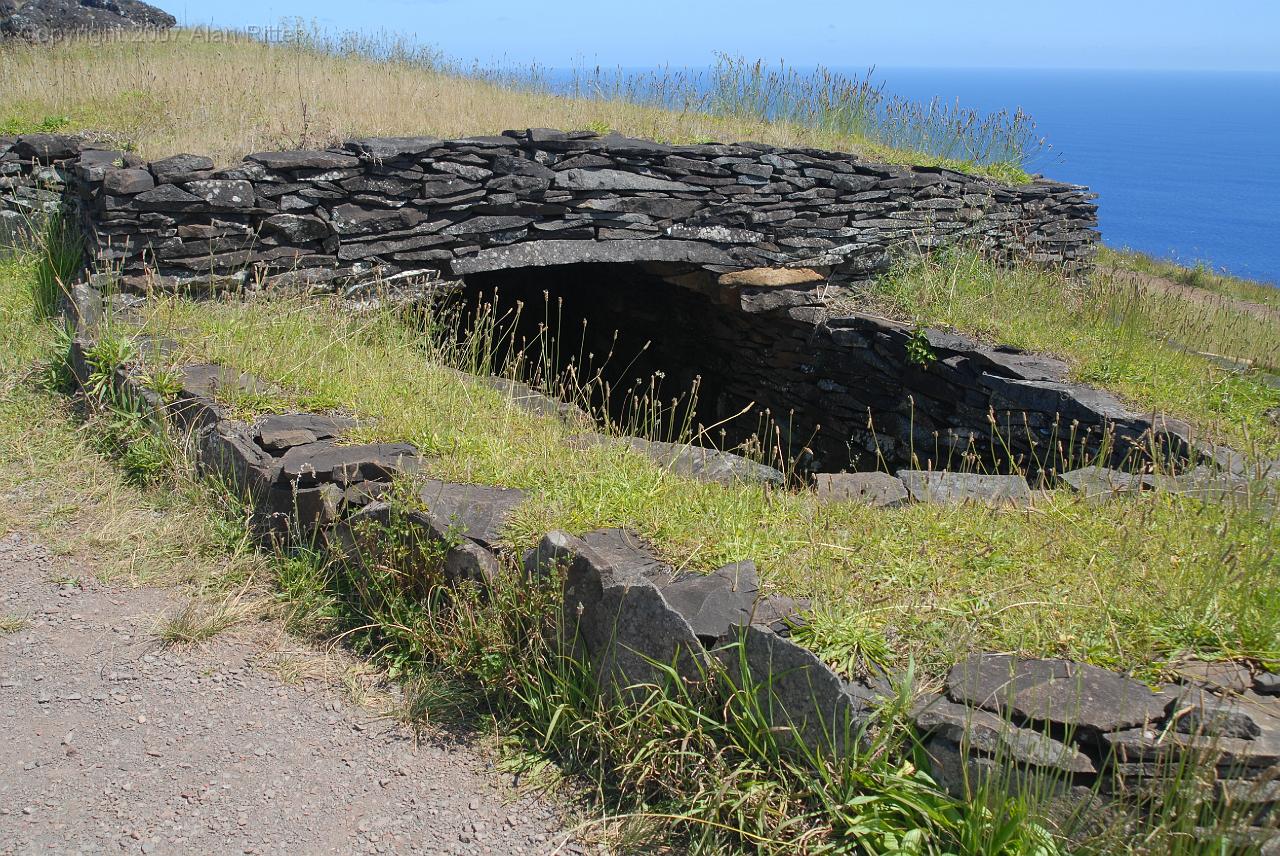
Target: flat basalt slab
629,550
618,621
988,734
544,253
1095,482
950,488
794,689
714,602
1153,752
1073,695
1196,711
696,462
477,512
209,379
282,432
1205,483
343,465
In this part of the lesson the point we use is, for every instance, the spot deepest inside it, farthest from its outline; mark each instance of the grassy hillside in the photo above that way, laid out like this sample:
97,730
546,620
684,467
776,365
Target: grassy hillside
1126,584
1130,585
226,95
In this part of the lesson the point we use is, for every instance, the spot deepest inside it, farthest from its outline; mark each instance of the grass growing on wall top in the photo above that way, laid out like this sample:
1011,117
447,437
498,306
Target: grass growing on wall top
226,95
1141,341
1200,276
1125,584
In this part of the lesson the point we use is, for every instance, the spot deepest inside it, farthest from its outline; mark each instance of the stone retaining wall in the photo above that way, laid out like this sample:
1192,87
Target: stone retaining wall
378,209
1095,739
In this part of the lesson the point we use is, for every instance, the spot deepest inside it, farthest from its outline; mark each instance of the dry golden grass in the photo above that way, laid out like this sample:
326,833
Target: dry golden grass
226,96
59,488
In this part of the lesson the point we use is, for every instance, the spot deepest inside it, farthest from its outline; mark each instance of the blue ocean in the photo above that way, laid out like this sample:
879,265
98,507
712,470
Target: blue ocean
1186,164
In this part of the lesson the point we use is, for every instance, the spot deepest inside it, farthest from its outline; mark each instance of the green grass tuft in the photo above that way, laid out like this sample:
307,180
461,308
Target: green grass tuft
1148,346
10,624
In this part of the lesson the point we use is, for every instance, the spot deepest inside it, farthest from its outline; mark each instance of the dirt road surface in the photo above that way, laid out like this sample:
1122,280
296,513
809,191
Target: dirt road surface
110,743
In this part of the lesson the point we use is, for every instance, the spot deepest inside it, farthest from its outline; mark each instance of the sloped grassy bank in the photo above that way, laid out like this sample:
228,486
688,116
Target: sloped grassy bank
702,755
700,750
227,94
1127,585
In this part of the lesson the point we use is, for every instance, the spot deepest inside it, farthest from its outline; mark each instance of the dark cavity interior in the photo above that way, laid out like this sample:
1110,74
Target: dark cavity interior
667,353
675,362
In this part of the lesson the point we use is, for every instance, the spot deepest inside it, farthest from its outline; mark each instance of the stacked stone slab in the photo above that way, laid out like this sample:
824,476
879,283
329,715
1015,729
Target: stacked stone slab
378,208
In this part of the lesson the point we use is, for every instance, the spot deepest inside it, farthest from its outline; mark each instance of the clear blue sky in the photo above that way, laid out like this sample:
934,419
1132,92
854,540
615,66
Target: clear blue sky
1178,34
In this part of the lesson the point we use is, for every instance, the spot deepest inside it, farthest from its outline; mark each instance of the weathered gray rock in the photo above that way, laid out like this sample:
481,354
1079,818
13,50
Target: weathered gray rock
197,403
530,400
630,553
1073,695
793,689
552,556
221,194
280,433
544,253
478,512
1205,483
714,602
127,182
304,159
181,168
41,20
1195,711
327,462
1151,753
349,220
226,451
697,462
951,488
615,179
83,308
167,197
990,735
1094,482
296,227
211,380
46,148
389,148
1221,676
617,620
879,490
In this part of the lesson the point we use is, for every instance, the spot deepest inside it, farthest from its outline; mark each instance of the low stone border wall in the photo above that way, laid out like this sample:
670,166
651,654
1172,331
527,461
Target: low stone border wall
1091,734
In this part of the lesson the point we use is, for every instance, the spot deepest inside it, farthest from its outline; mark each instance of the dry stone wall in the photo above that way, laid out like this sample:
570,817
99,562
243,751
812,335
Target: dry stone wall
737,244
380,209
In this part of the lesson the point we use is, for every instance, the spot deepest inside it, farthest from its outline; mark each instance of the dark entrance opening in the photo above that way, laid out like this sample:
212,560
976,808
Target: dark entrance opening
661,360
668,352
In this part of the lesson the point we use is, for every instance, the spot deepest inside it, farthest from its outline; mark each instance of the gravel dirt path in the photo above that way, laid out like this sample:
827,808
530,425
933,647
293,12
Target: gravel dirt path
110,743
